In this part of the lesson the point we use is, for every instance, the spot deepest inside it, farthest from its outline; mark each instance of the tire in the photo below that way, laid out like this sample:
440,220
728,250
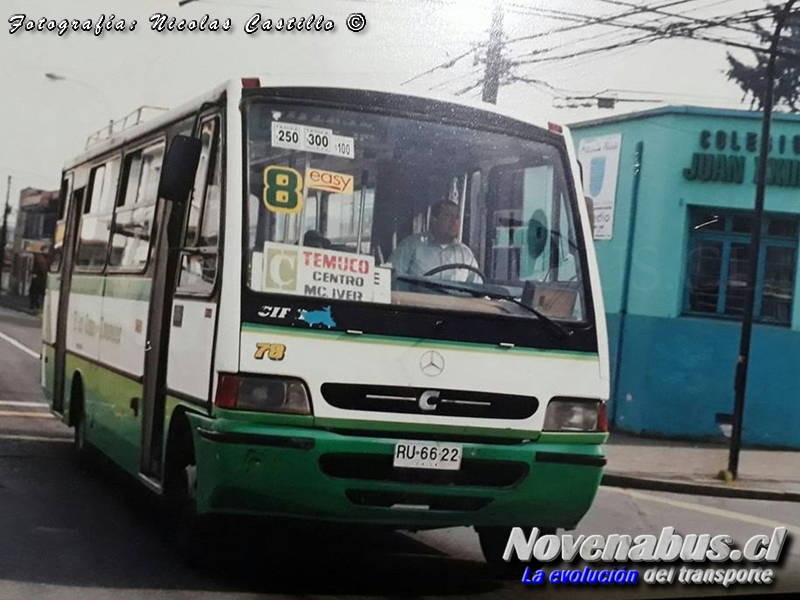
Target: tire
493,541
187,530
83,450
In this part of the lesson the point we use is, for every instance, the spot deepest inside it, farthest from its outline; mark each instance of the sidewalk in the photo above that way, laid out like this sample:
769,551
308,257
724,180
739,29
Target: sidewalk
693,468
18,303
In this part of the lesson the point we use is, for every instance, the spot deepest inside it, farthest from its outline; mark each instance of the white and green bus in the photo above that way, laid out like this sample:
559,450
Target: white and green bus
253,308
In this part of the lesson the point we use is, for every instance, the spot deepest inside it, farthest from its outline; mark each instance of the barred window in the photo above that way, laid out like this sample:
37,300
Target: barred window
719,260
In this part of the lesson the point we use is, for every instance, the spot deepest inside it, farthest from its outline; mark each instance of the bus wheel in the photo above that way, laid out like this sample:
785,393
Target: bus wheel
493,542
82,448
184,526
79,439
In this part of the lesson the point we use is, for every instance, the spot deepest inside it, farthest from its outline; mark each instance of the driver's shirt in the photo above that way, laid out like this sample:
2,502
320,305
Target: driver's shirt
419,253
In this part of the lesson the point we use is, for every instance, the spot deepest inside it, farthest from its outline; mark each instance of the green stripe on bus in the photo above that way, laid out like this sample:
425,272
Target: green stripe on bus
88,285
571,437
126,288
264,418
548,437
400,341
129,288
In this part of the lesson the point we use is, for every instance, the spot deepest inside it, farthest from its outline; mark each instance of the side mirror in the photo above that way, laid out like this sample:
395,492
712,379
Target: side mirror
537,233
179,169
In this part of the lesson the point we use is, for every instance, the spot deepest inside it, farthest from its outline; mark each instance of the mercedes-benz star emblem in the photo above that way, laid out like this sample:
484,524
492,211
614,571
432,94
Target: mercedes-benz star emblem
431,363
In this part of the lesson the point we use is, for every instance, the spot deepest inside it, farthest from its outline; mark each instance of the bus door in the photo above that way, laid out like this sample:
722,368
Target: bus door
74,209
182,316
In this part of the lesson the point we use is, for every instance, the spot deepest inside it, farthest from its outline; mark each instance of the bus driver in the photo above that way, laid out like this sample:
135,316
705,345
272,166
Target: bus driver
419,253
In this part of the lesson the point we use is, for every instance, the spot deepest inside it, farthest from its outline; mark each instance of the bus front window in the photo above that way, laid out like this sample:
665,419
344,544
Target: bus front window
453,218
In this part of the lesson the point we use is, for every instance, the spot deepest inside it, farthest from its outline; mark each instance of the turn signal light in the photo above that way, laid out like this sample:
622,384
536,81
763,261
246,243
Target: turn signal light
602,418
263,394
575,414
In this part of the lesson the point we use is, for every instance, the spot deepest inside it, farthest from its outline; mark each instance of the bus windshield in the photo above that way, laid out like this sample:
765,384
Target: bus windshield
362,207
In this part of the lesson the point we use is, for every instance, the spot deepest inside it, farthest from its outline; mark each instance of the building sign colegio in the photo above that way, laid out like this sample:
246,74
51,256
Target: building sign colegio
725,167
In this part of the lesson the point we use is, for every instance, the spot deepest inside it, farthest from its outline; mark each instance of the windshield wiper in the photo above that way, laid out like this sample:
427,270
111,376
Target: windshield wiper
562,331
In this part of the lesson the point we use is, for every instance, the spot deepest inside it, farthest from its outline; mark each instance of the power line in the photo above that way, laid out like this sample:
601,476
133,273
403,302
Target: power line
588,22
690,29
656,33
583,61
445,65
661,93
651,37
669,30
607,33
596,21
473,72
745,16
669,14
707,6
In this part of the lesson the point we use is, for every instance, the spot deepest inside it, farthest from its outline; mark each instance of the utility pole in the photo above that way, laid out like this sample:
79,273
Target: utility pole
6,210
743,361
494,56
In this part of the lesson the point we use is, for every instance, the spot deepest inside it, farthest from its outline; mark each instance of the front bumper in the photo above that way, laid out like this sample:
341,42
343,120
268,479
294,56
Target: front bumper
308,473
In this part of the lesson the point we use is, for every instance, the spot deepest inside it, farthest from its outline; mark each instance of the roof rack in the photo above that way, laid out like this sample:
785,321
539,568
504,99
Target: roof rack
130,120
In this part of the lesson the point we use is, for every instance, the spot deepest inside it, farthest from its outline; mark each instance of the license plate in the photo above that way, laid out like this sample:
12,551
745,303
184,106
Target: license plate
428,455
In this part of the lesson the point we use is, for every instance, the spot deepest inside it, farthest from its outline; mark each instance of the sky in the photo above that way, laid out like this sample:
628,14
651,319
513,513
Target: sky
44,122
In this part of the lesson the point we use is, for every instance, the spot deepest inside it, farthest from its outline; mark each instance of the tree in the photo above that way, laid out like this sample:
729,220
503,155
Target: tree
752,78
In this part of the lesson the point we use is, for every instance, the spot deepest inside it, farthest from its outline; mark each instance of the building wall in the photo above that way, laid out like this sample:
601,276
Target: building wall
33,236
676,371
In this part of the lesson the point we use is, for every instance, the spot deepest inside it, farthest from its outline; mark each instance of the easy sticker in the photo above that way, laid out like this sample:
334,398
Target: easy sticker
329,181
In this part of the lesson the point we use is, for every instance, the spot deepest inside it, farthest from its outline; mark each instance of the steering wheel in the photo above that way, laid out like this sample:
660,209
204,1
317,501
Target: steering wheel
452,266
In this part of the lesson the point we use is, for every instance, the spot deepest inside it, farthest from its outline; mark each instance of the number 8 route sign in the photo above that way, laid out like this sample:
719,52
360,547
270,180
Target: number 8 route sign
283,190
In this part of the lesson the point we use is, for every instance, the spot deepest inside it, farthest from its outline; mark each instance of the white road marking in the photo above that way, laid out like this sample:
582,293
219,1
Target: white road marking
19,345
708,510
26,415
16,403
34,438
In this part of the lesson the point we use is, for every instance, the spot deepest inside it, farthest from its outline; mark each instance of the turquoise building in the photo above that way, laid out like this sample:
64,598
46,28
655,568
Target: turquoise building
674,191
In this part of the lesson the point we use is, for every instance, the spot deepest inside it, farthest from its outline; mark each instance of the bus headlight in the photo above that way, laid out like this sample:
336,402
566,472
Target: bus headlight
263,394
569,414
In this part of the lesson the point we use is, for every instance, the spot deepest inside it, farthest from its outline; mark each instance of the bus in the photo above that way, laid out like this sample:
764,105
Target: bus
334,305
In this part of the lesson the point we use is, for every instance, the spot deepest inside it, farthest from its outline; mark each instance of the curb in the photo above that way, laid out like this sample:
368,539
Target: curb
696,489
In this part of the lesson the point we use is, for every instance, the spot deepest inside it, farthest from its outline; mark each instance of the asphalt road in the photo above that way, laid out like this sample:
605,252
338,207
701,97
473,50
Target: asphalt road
72,533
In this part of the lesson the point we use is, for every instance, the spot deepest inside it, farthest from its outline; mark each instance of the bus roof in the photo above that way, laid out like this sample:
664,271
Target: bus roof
275,88
141,129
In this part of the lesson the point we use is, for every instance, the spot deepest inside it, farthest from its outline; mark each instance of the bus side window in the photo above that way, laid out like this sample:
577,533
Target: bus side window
96,220
199,260
61,224
196,204
135,211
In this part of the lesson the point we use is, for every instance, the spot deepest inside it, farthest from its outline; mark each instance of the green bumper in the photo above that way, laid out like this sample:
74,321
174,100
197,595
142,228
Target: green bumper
308,473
